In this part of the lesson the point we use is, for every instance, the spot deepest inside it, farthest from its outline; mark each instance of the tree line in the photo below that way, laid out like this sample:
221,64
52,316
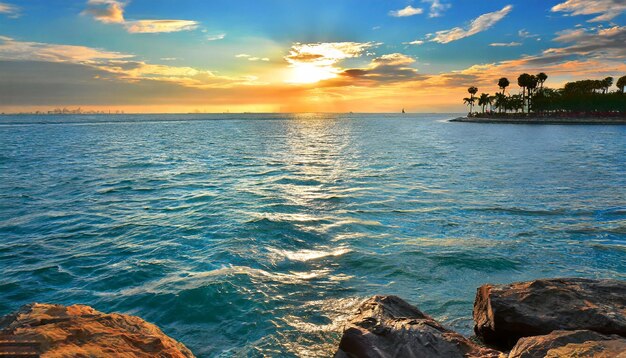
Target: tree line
583,97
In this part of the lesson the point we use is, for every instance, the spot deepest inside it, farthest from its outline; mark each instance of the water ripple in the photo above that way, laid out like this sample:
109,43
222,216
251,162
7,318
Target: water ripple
257,235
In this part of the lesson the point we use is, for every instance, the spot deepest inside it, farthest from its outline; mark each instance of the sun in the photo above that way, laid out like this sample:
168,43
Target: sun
310,73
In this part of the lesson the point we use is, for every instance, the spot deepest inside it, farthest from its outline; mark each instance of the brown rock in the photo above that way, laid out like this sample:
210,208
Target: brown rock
81,331
596,349
387,326
505,313
539,346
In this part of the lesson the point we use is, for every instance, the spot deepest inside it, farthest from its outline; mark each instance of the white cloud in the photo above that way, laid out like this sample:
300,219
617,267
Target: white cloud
216,37
416,42
437,8
479,24
407,11
252,58
326,53
393,59
9,9
112,12
314,62
158,26
505,44
606,9
526,35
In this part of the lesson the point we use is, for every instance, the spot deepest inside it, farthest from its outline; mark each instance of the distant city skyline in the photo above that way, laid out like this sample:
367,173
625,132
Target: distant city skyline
295,56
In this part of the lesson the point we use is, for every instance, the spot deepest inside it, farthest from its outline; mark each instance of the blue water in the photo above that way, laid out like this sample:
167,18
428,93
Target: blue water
257,235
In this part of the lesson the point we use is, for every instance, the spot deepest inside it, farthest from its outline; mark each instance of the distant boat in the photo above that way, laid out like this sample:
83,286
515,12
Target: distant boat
403,110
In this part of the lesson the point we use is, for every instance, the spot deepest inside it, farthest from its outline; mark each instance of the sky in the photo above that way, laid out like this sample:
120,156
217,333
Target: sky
158,56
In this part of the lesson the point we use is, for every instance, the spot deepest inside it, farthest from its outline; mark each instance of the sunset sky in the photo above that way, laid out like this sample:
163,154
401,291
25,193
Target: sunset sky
295,56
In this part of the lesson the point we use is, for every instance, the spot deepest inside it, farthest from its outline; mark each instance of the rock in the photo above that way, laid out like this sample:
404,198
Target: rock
505,313
596,349
80,331
540,346
387,326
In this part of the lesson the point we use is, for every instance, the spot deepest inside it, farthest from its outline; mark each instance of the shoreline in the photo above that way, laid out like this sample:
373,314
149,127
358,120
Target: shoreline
539,120
566,317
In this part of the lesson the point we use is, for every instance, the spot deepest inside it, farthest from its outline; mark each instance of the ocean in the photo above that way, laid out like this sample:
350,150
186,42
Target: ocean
257,234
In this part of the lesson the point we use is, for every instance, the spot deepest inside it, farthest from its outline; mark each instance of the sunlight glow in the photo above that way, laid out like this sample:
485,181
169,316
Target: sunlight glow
310,73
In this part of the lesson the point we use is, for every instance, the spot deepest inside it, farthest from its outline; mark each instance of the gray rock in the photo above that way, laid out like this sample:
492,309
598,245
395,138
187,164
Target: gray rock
387,326
505,313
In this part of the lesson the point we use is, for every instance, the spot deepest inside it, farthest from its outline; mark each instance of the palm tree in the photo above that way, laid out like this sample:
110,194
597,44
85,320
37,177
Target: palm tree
542,77
621,83
472,91
469,101
524,80
606,84
501,102
503,83
492,100
484,100
516,102
532,85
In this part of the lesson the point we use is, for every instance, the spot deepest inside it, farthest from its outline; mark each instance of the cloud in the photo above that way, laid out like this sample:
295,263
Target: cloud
526,35
505,44
216,37
407,11
326,53
112,12
437,7
479,24
393,59
11,49
605,43
106,11
9,9
607,9
119,65
390,68
416,42
315,62
158,26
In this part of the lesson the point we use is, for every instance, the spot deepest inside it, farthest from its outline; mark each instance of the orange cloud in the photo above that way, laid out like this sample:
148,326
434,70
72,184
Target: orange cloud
112,12
106,11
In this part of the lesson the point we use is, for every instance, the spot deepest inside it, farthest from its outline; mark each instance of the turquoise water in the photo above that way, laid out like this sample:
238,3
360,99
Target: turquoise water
257,234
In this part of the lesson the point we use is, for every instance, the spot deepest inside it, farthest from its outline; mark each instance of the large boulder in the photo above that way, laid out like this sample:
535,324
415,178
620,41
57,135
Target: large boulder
615,348
560,341
387,326
80,331
505,313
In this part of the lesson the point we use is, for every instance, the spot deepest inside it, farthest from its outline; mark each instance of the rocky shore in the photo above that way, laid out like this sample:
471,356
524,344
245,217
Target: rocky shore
542,120
44,330
542,318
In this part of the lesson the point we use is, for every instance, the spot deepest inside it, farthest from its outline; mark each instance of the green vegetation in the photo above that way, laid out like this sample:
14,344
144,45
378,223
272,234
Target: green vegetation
592,98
